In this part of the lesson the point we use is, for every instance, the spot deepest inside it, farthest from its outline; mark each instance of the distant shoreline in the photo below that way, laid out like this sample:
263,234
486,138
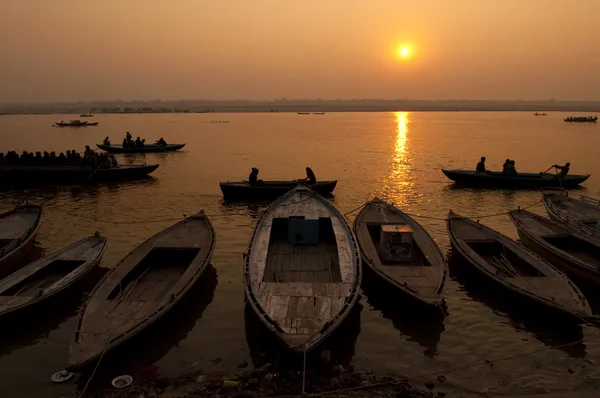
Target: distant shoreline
285,106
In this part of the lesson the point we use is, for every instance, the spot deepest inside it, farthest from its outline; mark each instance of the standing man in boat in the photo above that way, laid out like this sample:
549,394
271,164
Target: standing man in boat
564,170
481,166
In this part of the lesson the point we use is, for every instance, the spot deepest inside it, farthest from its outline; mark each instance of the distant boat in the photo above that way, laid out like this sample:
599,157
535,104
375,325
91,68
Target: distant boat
140,149
86,115
303,113
540,114
72,123
318,113
581,119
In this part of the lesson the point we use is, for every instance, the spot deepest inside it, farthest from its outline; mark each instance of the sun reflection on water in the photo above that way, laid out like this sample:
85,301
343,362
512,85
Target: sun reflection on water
398,184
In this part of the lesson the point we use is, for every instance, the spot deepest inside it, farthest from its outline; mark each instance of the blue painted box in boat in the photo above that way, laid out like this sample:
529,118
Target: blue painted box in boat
303,232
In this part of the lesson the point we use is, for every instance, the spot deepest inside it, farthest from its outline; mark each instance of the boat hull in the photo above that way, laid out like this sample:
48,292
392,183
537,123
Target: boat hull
11,260
70,175
330,303
70,283
437,271
469,178
144,149
85,350
269,189
560,260
474,261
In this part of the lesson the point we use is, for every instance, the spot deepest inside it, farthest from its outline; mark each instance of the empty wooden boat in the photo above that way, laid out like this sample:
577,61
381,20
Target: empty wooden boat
566,249
581,214
51,275
18,229
401,252
302,270
146,284
509,264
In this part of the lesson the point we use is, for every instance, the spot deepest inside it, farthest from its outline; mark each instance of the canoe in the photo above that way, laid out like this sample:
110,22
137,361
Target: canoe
583,215
18,229
50,276
417,268
302,270
50,175
143,149
568,250
73,123
522,180
507,263
142,287
242,190
92,123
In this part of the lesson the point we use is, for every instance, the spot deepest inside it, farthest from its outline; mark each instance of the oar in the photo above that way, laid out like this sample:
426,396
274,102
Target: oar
544,172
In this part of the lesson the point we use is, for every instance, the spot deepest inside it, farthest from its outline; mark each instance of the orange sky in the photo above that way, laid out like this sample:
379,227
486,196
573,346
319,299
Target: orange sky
54,50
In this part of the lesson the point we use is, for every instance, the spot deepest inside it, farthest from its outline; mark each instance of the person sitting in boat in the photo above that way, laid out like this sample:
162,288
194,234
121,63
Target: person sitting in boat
138,142
510,169
310,176
106,141
161,142
481,166
506,162
564,170
113,162
128,136
62,159
253,177
124,142
2,159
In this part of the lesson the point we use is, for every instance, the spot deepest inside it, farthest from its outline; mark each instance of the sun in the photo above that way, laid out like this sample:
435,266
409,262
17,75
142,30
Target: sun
403,52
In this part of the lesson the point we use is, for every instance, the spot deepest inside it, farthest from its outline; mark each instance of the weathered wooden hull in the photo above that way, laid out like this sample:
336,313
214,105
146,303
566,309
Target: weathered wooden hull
269,189
9,261
469,257
400,283
70,175
102,325
14,306
144,149
567,264
573,218
287,300
522,181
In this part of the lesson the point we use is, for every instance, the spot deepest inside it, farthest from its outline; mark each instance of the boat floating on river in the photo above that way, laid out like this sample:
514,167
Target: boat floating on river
146,148
494,179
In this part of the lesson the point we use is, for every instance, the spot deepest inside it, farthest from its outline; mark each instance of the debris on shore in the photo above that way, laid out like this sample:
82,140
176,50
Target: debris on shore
267,381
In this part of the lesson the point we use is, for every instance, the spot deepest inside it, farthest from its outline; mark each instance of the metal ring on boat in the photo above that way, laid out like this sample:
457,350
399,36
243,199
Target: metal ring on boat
122,381
62,376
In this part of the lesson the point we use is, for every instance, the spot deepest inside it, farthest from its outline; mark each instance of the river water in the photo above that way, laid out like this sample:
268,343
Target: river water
396,156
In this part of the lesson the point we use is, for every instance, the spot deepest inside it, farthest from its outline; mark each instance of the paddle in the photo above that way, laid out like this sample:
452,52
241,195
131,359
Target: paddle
544,172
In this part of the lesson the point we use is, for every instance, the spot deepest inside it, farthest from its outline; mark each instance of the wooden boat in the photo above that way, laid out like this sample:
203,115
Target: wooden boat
141,149
144,286
92,123
540,114
18,229
303,113
582,214
86,115
50,276
302,270
401,252
49,175
71,123
242,190
581,119
511,265
522,180
570,251
318,113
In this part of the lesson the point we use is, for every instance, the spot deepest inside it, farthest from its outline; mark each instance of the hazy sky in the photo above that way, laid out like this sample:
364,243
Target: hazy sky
54,50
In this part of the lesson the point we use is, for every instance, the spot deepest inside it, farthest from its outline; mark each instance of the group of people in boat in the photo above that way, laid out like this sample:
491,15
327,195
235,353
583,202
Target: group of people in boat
508,168
310,177
71,158
128,141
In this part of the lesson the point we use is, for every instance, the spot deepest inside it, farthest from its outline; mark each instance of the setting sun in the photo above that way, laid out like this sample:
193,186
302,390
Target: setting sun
404,52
